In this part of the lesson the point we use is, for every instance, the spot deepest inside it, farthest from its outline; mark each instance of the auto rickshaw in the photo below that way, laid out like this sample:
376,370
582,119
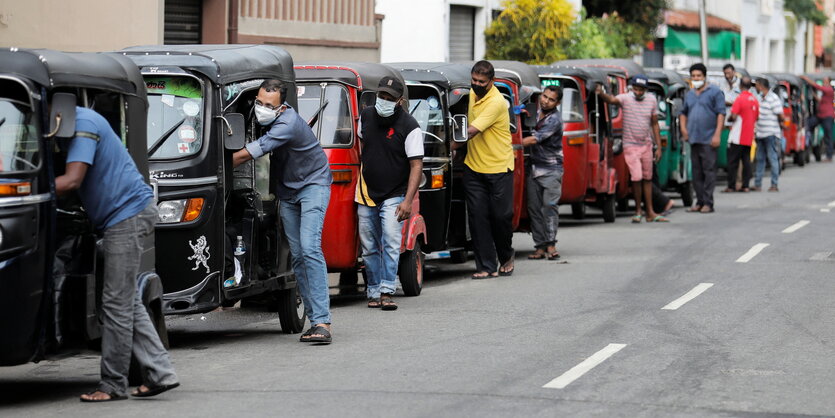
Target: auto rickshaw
589,172
50,264
674,170
201,98
815,142
331,96
790,89
439,99
716,76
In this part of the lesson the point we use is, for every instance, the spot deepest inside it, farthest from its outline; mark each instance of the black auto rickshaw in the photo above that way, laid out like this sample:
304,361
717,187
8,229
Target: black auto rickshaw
50,266
438,99
201,98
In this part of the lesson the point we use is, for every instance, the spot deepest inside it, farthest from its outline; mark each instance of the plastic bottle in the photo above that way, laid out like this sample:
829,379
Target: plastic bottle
240,247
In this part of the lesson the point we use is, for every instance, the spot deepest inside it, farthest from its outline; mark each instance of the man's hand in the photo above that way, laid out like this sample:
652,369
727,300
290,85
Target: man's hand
404,210
658,154
716,140
528,141
684,135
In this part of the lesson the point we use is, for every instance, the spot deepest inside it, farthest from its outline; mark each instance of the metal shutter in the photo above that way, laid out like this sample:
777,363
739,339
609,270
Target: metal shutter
182,22
461,33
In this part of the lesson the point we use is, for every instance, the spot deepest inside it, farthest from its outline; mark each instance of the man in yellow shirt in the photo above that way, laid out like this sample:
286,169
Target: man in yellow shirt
488,176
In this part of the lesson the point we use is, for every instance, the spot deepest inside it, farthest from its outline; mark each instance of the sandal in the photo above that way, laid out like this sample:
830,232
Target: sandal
658,218
374,303
554,255
637,219
387,303
153,390
504,265
537,255
112,397
483,275
324,336
696,208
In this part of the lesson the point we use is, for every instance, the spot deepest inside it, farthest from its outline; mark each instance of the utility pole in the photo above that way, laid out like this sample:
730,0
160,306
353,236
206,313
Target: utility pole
703,30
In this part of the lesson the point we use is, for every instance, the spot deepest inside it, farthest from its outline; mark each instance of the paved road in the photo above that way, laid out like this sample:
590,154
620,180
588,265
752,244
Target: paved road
617,328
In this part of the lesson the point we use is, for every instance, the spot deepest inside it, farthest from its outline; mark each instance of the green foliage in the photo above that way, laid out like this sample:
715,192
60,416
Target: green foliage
530,31
647,14
806,10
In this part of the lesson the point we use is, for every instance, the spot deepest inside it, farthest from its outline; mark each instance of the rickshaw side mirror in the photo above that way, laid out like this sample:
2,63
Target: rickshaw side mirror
234,132
677,103
62,116
459,128
368,98
530,115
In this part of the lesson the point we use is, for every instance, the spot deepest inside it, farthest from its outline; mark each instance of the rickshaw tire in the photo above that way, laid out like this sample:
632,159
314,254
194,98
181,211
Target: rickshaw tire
578,210
287,304
609,208
410,270
799,158
458,256
686,191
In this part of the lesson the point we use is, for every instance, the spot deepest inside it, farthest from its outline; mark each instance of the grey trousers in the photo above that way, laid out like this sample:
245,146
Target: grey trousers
544,194
126,326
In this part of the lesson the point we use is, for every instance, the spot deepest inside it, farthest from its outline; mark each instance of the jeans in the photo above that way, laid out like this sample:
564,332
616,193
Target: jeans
380,236
767,147
490,215
126,326
303,216
703,157
736,154
543,207
826,124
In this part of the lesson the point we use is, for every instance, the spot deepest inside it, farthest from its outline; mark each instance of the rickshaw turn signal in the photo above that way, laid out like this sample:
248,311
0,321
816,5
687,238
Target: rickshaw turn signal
15,189
193,209
576,141
341,176
437,179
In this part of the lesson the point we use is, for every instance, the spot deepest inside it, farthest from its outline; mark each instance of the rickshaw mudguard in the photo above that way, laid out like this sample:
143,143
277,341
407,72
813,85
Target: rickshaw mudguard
413,229
613,181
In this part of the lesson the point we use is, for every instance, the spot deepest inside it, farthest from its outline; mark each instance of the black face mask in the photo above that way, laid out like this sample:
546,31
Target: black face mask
638,97
479,91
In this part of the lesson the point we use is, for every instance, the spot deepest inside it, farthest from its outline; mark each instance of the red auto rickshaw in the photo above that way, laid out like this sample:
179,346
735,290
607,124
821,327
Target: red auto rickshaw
790,89
331,96
589,171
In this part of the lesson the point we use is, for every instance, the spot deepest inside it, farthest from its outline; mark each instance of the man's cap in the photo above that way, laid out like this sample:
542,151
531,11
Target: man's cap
639,80
391,86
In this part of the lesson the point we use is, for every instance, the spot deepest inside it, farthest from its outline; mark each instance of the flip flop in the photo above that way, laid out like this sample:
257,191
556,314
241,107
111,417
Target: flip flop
153,391
373,303
387,303
554,255
637,219
112,397
320,330
658,218
537,256
483,275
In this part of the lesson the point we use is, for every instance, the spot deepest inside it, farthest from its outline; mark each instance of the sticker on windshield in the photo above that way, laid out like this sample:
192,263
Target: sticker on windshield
187,134
168,100
433,102
191,108
183,148
299,91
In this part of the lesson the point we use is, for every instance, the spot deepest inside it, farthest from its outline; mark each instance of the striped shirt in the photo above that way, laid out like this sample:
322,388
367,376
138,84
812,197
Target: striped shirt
637,118
768,124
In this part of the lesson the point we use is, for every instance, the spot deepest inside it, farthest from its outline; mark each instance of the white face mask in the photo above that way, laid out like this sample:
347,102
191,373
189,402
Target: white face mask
265,115
698,83
385,108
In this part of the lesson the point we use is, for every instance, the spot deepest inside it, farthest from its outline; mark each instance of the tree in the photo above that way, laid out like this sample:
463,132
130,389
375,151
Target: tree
532,31
604,37
644,13
806,10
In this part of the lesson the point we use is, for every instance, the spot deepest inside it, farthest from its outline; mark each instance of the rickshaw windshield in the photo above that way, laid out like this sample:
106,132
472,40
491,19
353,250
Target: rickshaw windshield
330,111
19,149
175,117
571,106
425,106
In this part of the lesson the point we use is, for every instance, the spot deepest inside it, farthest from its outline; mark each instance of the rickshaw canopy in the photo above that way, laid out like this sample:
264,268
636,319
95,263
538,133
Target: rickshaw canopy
792,79
361,75
448,76
671,78
520,73
625,66
592,77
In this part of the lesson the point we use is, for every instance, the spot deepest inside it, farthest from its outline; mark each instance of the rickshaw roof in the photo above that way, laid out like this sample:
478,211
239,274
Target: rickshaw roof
788,77
626,67
772,81
50,69
519,73
448,75
671,78
739,70
821,75
362,75
223,64
591,76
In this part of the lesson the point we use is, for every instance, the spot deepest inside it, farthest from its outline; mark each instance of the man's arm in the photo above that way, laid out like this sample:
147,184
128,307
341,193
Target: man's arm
404,209
608,98
240,156
682,121
656,136
717,134
72,178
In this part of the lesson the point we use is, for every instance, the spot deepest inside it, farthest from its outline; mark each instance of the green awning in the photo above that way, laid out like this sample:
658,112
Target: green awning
719,44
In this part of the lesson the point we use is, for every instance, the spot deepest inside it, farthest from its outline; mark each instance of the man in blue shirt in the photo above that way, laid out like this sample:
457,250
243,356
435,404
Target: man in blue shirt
121,205
303,187
701,120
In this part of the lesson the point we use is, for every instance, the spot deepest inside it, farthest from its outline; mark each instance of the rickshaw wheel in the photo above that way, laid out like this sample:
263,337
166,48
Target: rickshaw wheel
411,270
578,210
686,191
816,150
799,158
291,314
609,206
807,155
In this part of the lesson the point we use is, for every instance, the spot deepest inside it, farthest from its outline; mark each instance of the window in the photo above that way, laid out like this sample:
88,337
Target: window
19,149
426,106
328,107
571,106
614,111
175,117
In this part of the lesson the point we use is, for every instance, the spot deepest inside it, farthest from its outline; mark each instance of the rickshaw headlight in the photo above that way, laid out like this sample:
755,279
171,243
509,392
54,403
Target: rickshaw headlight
171,211
422,180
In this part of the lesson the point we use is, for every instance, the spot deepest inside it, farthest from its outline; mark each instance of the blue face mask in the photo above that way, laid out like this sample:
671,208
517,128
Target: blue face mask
384,107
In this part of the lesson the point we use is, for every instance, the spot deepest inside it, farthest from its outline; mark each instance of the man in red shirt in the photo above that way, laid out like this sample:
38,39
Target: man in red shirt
825,113
746,108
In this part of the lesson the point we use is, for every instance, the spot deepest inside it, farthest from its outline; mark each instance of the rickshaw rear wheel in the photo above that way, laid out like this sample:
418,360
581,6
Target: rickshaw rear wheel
608,205
686,191
578,210
411,270
291,314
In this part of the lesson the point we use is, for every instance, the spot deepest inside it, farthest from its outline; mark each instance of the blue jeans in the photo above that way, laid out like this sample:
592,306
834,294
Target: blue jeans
767,147
380,236
303,216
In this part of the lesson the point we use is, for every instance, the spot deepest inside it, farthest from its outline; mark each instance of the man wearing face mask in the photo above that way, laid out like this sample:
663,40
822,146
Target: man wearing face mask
392,161
640,130
303,189
701,119
488,176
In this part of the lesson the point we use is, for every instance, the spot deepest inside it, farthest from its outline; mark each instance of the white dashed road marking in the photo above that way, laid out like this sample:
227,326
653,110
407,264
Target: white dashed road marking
796,226
820,256
698,290
826,210
831,204
752,253
577,371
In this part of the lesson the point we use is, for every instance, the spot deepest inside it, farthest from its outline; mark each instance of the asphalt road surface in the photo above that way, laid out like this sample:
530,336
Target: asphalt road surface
724,314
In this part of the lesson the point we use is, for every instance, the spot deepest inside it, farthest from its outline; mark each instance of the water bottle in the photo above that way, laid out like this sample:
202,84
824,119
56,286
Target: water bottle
240,247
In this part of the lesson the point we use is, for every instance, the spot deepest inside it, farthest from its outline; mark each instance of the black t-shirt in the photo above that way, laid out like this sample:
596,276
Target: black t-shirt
387,146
